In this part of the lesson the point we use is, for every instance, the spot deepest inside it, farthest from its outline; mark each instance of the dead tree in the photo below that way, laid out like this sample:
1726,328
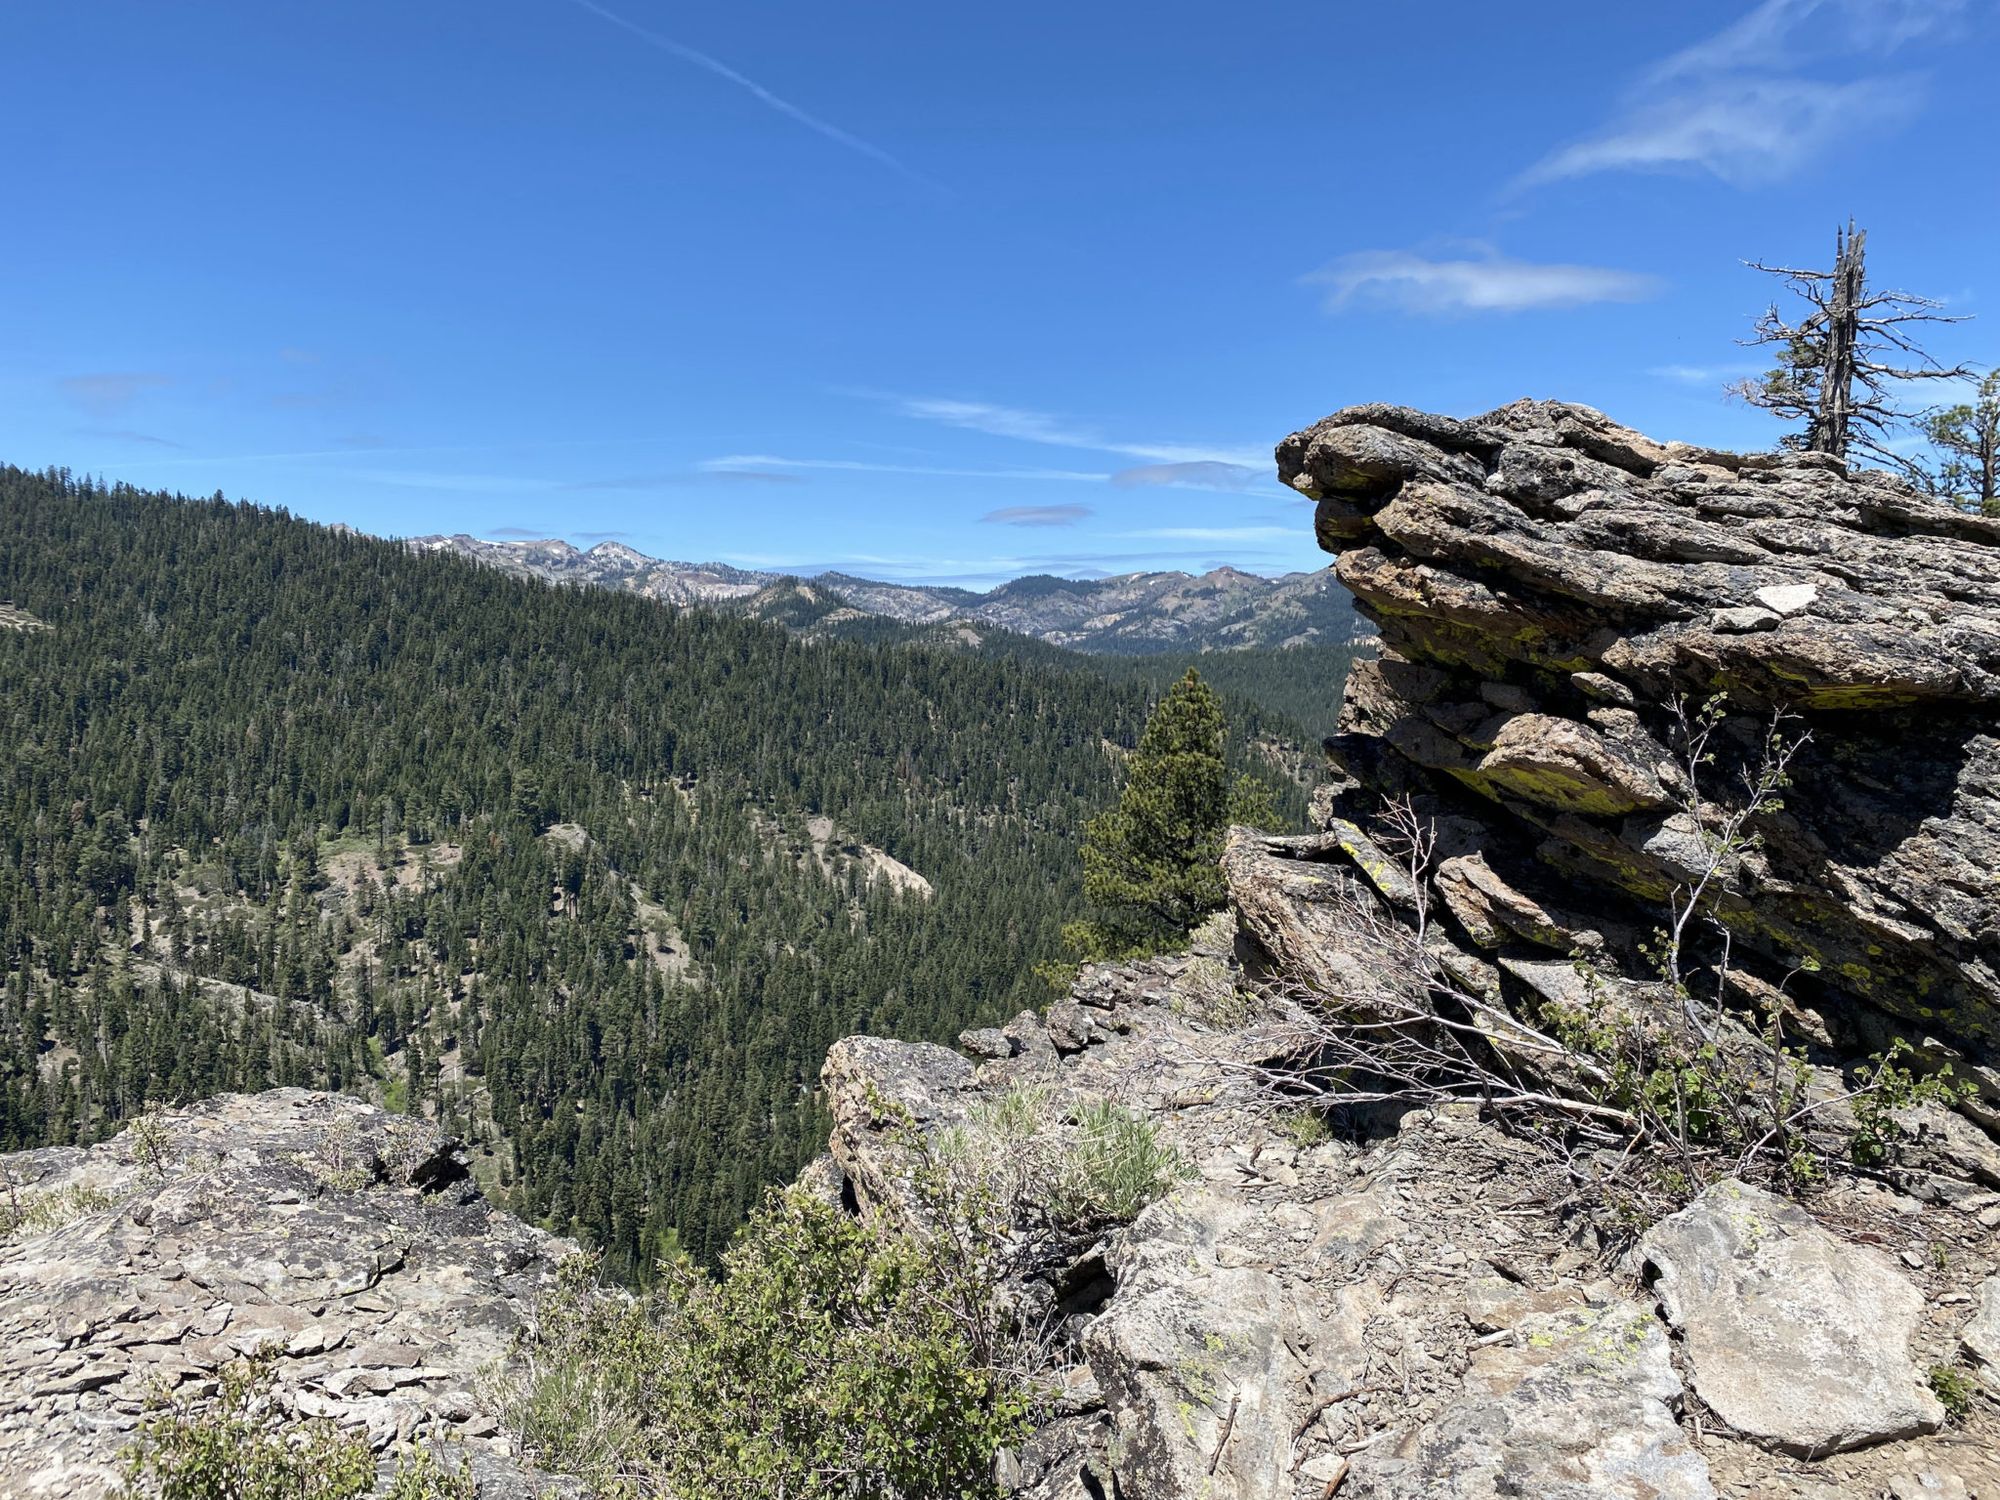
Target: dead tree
1841,363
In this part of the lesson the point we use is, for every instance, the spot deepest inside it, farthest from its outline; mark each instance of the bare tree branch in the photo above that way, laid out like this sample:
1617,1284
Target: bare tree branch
1840,345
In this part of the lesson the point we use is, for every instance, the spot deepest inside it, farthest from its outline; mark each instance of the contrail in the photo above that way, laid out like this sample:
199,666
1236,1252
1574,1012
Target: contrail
763,95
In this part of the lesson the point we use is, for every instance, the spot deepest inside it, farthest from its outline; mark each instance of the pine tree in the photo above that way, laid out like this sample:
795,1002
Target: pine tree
1966,440
1150,865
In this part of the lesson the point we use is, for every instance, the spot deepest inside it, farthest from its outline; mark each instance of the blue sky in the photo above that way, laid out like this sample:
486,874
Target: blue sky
927,291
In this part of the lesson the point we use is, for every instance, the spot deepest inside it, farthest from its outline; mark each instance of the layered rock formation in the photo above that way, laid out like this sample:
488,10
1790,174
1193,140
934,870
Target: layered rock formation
1547,582
346,1243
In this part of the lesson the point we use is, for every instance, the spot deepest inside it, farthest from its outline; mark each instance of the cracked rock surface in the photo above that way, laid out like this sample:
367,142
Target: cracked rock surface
345,1242
1546,581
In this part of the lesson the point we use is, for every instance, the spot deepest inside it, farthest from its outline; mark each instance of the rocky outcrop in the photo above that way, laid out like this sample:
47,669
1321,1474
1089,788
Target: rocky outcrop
346,1243
1546,582
1411,1309
1412,1295
1577,1403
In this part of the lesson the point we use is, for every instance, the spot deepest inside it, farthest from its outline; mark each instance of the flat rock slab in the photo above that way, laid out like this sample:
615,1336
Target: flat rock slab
1981,1338
1580,1406
1795,1338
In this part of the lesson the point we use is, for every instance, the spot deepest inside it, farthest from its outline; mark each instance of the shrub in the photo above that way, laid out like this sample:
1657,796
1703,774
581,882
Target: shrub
233,1449
26,1214
1018,1154
1954,1388
238,1448
580,1402
1304,1127
831,1357
422,1476
152,1144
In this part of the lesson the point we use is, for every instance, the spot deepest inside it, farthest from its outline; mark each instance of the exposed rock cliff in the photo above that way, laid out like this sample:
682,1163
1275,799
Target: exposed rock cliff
1546,581
345,1241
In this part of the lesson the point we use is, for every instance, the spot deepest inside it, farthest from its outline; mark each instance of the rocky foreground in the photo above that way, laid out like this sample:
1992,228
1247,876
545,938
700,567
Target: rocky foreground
1424,1296
1426,1306
1415,1311
346,1243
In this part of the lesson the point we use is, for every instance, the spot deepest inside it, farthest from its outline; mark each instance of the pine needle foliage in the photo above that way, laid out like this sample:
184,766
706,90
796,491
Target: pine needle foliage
1150,864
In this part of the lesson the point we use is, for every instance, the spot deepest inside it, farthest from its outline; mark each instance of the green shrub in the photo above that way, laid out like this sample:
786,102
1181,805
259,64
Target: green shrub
237,1448
422,1476
1303,1127
1954,1388
594,1358
25,1214
232,1449
831,1357
1021,1153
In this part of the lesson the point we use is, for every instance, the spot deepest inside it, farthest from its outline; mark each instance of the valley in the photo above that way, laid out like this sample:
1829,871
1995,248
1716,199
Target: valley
592,880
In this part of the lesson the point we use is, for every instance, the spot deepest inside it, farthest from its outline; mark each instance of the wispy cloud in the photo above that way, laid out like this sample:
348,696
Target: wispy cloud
112,390
1196,473
471,484
1750,132
1781,32
1037,515
127,435
1062,432
1702,374
1489,282
1752,103
518,534
740,462
1199,475
697,58
1220,533
679,478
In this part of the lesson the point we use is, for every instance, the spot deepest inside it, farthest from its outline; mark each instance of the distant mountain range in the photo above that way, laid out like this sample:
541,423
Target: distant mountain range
1131,614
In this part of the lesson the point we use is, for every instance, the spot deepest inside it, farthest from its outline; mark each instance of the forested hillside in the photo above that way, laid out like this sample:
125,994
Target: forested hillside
593,878
1300,684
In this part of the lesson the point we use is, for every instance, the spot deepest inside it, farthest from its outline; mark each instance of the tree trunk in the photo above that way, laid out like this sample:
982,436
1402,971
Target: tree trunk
1843,317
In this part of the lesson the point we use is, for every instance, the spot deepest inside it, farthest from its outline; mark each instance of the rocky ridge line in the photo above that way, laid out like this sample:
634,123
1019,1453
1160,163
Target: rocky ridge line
1223,609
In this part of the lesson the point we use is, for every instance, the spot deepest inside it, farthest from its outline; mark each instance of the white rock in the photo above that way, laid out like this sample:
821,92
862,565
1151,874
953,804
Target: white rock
1579,1405
1794,1337
1788,598
1981,1338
